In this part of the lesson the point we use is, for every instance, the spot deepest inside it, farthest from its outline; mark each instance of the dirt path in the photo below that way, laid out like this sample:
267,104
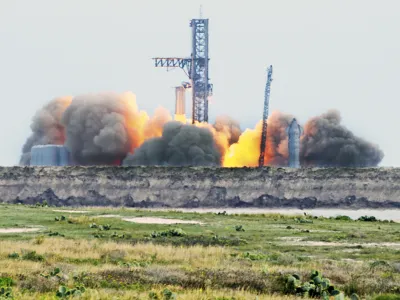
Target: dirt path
18,230
72,211
288,240
150,220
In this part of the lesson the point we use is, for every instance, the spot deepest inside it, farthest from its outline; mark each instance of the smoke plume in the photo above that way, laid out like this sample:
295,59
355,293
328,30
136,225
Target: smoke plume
102,128
46,127
328,143
179,145
108,128
229,127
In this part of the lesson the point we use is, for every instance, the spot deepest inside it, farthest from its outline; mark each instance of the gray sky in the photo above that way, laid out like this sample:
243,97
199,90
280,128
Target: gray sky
326,54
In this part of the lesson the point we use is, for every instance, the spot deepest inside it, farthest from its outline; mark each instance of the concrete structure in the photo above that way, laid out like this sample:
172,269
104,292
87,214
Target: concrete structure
49,155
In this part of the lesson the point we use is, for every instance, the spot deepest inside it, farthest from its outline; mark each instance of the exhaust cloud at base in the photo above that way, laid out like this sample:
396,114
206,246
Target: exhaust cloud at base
109,129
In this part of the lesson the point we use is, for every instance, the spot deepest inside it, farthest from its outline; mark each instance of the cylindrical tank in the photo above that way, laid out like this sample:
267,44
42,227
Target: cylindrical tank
294,132
180,100
63,156
49,155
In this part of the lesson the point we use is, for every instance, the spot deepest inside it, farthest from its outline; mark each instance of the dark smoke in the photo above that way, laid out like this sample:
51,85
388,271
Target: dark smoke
180,145
327,143
96,130
46,127
230,127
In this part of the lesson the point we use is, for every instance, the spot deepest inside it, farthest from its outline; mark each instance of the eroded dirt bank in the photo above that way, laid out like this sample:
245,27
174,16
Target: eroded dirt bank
202,187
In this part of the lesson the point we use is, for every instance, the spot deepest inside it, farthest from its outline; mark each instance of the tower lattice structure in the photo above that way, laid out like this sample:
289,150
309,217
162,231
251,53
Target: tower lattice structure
263,143
196,68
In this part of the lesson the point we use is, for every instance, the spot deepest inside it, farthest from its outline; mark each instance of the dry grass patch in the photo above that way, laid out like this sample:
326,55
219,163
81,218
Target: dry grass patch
208,294
57,249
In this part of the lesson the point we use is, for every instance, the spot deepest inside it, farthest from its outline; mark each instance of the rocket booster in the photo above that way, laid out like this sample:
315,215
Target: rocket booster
294,132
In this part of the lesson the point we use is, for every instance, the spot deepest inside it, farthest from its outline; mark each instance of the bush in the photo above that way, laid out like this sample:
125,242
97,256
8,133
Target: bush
316,287
367,219
343,218
55,234
239,228
39,240
33,256
6,281
169,233
168,295
13,255
64,292
6,293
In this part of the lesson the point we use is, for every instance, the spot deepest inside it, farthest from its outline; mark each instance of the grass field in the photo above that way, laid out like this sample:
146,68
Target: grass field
224,257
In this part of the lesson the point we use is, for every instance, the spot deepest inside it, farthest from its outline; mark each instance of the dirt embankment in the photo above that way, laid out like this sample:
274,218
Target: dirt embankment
202,187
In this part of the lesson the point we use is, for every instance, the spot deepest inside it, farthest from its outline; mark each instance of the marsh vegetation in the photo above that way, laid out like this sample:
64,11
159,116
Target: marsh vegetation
88,256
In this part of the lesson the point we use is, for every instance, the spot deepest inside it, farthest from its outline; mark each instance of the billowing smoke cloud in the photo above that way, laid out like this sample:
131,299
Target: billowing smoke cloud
328,143
46,127
105,128
179,145
229,127
98,128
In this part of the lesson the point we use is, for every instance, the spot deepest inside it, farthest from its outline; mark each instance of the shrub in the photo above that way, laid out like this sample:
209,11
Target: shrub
64,292
239,228
53,273
367,219
316,287
33,256
13,255
6,293
39,240
55,234
6,281
168,295
62,218
342,218
169,233
105,227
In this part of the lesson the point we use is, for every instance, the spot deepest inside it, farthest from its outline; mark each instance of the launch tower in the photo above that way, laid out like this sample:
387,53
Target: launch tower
196,68
263,143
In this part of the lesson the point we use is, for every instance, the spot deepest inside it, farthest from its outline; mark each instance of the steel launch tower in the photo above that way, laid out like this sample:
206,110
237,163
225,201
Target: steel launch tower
263,143
196,68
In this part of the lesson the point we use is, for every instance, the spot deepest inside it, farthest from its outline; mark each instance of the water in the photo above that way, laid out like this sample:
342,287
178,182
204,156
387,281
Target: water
381,214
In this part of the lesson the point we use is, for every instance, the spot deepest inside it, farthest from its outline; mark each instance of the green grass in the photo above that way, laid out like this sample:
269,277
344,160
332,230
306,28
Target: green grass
214,257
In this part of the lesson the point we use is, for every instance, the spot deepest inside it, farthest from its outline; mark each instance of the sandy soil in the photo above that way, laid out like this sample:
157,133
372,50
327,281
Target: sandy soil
149,220
108,216
298,241
72,211
18,230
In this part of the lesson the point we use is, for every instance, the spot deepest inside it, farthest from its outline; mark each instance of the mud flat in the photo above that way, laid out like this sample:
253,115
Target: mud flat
173,187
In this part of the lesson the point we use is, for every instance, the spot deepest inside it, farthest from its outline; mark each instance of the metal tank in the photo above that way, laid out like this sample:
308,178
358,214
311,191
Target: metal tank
49,155
63,156
294,132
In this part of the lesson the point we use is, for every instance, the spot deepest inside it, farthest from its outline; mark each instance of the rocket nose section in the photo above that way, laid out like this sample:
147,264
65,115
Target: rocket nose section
293,124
